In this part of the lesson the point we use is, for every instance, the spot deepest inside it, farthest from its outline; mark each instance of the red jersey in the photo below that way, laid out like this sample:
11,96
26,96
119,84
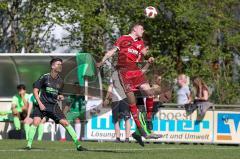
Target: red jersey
129,52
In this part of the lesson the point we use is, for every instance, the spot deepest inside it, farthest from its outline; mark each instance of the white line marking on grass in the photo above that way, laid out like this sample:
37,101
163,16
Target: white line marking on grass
135,149
21,150
162,148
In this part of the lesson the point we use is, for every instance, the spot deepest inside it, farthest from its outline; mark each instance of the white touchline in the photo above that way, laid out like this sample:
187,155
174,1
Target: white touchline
137,149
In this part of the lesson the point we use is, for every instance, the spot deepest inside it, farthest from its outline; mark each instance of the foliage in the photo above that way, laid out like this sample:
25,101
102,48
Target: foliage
199,38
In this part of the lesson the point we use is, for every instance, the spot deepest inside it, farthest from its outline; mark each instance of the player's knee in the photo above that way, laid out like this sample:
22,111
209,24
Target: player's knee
28,121
64,123
36,121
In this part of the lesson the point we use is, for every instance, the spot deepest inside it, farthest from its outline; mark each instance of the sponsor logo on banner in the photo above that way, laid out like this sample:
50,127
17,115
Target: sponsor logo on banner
102,127
227,127
174,125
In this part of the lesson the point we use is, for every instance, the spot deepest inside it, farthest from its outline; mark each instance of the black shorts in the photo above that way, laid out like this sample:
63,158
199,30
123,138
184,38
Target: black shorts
120,110
32,116
52,111
141,105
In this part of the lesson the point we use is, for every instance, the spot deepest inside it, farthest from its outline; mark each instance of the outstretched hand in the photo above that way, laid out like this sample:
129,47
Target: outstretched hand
60,97
150,60
99,64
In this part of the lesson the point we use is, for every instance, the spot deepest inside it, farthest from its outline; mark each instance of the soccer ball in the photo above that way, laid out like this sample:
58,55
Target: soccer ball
150,12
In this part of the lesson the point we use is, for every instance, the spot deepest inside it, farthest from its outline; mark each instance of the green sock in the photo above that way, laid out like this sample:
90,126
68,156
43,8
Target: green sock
17,123
40,132
143,124
73,134
26,128
31,135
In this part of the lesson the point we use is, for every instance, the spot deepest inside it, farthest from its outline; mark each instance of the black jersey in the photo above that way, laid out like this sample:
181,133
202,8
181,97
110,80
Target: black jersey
50,88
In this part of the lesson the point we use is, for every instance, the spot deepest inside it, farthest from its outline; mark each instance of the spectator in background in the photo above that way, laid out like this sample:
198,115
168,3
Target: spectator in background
74,106
183,93
202,94
163,92
29,119
19,106
120,106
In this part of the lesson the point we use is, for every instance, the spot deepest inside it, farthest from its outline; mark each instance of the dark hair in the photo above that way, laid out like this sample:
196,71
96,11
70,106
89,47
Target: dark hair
55,60
136,24
200,85
21,86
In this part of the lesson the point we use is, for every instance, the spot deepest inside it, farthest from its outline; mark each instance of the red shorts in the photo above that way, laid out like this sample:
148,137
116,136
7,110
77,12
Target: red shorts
131,80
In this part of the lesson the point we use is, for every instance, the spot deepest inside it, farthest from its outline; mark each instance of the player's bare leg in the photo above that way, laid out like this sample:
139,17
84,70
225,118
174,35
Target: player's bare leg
127,130
77,127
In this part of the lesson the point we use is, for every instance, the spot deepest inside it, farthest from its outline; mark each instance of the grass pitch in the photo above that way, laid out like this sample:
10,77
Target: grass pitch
13,149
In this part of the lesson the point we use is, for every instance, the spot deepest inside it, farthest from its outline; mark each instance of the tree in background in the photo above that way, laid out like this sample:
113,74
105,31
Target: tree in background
193,37
27,24
199,38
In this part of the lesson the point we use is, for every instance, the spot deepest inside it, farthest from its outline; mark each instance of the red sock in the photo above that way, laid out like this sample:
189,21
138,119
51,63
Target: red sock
149,105
134,111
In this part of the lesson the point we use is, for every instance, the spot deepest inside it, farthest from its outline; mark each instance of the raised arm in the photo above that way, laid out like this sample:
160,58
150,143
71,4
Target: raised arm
109,54
146,66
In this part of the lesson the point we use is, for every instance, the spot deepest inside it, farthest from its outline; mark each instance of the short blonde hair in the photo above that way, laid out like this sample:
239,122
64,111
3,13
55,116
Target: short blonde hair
185,78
